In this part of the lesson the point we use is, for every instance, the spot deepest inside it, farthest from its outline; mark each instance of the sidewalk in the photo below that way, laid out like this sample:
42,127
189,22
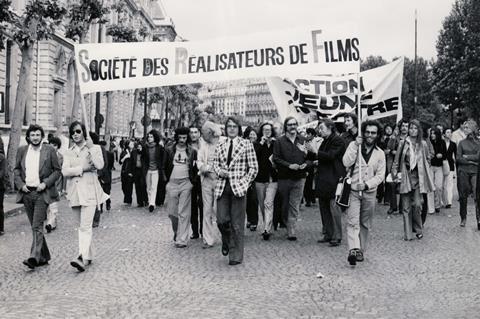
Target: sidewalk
11,208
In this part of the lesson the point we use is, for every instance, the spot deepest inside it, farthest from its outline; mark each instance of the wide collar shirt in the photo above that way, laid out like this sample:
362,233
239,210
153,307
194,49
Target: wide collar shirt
32,167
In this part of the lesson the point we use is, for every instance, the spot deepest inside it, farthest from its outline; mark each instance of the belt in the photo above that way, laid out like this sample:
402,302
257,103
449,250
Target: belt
32,188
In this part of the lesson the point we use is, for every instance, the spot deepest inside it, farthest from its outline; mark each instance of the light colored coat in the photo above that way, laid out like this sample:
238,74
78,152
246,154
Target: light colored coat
83,188
425,175
373,172
242,169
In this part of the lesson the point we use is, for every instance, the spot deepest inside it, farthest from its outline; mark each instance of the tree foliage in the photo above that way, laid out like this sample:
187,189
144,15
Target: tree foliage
456,72
81,15
6,18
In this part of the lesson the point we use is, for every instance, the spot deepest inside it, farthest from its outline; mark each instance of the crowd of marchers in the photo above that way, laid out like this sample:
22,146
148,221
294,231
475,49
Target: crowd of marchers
216,179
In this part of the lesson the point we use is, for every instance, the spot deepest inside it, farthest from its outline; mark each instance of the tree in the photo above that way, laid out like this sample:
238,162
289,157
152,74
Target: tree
37,22
456,73
372,62
82,14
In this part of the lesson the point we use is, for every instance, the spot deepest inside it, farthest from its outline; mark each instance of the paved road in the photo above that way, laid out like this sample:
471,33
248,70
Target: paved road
139,274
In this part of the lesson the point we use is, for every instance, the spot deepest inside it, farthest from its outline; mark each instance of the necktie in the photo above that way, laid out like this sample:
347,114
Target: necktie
229,156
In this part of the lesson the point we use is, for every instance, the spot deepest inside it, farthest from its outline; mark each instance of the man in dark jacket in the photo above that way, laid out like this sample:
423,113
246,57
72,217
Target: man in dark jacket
181,173
330,169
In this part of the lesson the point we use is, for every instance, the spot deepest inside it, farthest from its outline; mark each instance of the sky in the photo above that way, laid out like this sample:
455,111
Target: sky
384,27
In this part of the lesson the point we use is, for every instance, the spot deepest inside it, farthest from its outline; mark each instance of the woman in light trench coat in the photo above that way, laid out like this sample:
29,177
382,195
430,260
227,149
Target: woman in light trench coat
84,192
411,168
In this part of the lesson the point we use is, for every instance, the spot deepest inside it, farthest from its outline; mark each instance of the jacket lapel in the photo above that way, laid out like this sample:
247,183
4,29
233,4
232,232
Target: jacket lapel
237,151
24,159
43,158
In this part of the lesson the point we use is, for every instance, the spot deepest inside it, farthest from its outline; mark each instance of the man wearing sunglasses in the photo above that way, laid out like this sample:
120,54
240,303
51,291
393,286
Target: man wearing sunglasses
364,191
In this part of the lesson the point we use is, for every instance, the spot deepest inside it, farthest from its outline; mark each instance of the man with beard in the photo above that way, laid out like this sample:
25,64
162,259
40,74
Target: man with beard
181,174
363,192
290,156
36,171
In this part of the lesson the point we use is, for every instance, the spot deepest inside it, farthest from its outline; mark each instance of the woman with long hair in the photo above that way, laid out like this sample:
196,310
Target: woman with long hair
252,201
266,181
137,169
440,155
412,168
126,175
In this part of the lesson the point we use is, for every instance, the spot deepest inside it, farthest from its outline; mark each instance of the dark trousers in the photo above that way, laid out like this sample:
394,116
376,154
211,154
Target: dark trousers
308,189
2,214
107,188
467,184
392,196
331,218
140,187
197,209
36,208
381,192
277,211
231,222
252,205
161,192
127,188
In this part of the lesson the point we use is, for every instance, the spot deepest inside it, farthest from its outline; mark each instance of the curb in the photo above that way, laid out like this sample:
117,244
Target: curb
21,209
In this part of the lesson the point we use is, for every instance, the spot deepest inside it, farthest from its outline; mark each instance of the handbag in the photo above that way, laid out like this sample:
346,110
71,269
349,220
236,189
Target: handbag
344,187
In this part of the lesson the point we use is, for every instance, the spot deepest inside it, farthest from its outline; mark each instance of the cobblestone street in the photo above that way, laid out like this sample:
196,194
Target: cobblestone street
139,273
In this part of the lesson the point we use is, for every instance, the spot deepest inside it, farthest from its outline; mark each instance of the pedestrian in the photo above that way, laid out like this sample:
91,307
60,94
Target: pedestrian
105,174
467,162
450,173
290,158
154,157
84,192
391,152
211,134
181,173
314,141
266,182
100,174
351,128
437,162
3,174
197,203
277,203
383,192
412,168
52,212
138,169
126,175
252,201
236,166
35,174
329,171
363,192
462,131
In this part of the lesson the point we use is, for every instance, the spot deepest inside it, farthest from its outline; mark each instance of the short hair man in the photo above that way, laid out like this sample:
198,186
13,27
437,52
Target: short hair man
197,203
53,207
351,129
181,173
360,211
36,172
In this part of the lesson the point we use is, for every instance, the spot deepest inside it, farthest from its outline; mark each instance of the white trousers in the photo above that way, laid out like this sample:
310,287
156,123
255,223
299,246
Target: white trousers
152,183
52,214
266,196
448,188
438,180
210,232
85,216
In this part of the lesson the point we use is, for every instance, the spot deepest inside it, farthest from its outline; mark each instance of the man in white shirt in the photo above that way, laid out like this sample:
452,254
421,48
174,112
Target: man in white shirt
36,171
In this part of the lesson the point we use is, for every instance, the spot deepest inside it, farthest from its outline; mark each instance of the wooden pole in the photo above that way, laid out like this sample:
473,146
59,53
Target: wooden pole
359,95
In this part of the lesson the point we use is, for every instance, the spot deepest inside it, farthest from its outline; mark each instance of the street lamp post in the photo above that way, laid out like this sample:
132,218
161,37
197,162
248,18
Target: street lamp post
145,117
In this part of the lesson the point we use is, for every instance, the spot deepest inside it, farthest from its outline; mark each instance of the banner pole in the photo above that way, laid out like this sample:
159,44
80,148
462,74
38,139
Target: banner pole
359,104
86,122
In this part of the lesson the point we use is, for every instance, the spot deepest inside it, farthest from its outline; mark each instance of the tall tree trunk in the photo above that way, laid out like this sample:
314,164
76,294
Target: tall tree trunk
108,117
76,99
19,110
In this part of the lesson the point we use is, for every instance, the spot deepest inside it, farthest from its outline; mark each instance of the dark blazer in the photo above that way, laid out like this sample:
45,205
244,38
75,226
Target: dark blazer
105,174
159,155
330,167
3,171
49,171
192,159
451,153
265,166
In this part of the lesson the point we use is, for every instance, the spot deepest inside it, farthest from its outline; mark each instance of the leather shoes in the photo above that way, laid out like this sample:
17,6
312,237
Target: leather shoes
180,246
292,238
194,236
234,263
151,208
78,263
352,257
463,222
225,249
335,243
30,263
42,263
324,240
266,236
48,227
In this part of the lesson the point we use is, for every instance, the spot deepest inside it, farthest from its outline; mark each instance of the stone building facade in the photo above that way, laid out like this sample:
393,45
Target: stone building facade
51,87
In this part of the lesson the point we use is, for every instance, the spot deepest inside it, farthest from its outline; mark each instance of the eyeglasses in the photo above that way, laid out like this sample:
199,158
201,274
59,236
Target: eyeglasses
77,132
370,133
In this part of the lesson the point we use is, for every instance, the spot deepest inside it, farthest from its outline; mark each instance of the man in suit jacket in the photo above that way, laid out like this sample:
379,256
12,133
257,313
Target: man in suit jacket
36,171
236,165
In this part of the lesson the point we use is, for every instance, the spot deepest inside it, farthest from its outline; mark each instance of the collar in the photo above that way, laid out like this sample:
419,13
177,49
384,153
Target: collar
30,147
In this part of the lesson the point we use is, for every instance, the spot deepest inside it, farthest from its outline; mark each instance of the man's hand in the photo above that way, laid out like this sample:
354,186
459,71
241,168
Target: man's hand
25,189
41,187
89,141
439,155
361,186
294,167
130,174
358,141
223,174
303,166
263,140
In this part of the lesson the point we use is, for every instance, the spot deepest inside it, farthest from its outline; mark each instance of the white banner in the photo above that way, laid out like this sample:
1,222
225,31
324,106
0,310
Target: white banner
311,97
119,66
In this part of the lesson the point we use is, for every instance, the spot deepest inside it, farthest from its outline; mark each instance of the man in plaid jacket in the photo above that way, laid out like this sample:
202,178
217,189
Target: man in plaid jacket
236,165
